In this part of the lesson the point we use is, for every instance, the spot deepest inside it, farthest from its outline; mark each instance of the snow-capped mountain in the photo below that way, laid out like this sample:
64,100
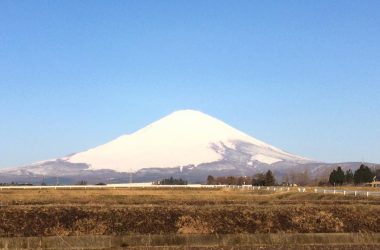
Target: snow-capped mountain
182,138
187,144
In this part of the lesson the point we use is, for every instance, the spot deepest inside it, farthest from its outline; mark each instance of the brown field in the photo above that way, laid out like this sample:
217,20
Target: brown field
151,218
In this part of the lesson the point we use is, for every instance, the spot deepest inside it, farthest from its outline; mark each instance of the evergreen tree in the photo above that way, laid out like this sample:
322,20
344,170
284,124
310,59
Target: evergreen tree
210,180
363,175
332,178
258,180
269,179
349,177
339,177
172,181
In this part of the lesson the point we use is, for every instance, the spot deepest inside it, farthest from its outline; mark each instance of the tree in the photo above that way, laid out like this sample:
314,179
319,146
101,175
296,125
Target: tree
172,181
349,177
221,180
332,177
210,180
240,181
258,180
363,175
269,179
337,177
377,172
231,180
304,178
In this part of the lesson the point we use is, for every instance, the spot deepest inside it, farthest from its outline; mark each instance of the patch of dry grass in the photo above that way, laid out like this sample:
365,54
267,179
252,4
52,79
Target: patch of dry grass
154,196
182,211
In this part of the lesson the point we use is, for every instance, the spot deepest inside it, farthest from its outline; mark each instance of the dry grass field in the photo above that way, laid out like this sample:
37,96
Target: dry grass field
152,218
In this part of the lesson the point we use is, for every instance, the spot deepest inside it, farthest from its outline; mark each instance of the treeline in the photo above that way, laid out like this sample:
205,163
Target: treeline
362,175
266,179
173,181
15,184
337,177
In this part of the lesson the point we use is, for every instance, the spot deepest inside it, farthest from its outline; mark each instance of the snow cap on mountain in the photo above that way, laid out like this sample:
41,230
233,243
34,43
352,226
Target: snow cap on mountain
185,137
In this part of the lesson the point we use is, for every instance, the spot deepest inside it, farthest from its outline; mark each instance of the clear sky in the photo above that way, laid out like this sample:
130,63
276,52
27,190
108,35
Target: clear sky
301,75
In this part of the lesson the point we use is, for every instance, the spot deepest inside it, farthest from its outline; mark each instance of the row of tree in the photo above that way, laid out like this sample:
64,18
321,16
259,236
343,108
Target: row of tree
228,180
266,179
362,175
173,181
337,177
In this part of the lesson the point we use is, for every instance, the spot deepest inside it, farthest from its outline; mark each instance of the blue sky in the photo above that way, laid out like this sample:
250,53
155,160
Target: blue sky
301,75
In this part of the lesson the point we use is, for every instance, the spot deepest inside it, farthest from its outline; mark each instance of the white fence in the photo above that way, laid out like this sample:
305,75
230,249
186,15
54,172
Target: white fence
111,186
238,187
303,190
347,192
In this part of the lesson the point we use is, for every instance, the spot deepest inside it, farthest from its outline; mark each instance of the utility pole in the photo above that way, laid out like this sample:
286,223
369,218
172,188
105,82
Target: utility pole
130,177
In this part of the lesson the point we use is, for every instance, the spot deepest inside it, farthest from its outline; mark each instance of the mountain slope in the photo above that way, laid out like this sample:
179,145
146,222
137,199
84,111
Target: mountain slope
185,144
182,138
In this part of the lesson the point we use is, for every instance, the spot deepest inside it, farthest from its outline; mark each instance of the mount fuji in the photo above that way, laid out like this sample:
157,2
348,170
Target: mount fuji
187,144
182,138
